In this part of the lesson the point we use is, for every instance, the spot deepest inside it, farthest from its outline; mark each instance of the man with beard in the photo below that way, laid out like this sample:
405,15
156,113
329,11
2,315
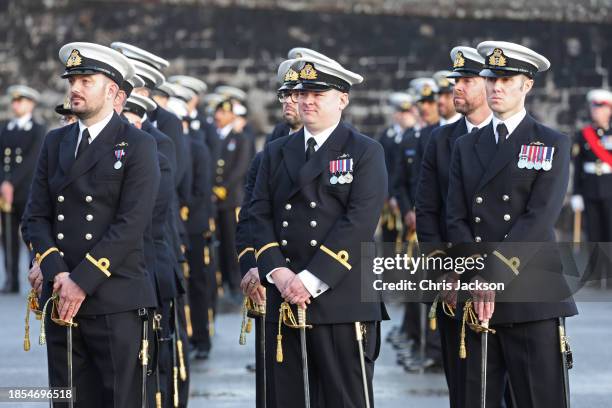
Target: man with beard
469,99
88,210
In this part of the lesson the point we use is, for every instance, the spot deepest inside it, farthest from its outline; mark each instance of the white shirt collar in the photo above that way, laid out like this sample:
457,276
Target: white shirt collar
144,118
450,120
511,123
96,128
319,138
21,122
224,131
484,123
193,114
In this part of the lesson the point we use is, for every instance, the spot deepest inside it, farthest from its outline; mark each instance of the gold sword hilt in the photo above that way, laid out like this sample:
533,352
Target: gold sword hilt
301,317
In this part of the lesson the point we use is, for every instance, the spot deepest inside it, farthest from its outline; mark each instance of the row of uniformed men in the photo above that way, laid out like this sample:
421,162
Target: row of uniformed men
122,232
478,181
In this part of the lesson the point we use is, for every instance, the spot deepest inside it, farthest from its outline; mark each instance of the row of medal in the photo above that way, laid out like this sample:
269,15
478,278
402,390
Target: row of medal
536,157
341,171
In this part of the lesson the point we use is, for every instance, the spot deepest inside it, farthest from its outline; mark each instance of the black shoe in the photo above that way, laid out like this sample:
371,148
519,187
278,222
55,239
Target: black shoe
251,368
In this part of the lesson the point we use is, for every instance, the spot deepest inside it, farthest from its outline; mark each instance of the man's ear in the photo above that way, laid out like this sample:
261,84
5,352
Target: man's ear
528,84
344,100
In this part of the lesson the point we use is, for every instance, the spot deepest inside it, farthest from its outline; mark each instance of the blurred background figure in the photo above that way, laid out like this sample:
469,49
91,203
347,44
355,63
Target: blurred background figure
20,141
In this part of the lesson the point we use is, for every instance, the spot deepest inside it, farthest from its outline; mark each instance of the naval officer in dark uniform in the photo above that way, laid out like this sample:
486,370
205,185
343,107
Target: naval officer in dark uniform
20,141
89,206
593,181
317,197
469,98
506,188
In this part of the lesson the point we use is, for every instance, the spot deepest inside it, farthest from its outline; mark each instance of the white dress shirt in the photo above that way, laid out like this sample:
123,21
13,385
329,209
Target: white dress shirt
20,122
94,130
450,120
224,131
314,285
484,123
511,123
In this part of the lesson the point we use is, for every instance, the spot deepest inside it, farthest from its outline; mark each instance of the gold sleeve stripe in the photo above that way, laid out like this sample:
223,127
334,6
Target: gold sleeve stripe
40,258
102,264
341,256
264,248
512,263
244,251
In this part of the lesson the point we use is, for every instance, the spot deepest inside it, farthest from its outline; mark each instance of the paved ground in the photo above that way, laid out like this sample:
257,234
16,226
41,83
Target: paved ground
223,382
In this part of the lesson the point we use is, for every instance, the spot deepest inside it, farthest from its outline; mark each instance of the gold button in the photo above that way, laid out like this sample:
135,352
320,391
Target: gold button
18,159
88,237
18,150
88,198
506,217
313,243
505,197
220,162
287,260
477,219
219,179
479,200
313,204
60,236
313,223
7,151
7,160
477,239
285,224
219,171
287,206
89,217
61,254
60,217
284,242
60,198
7,168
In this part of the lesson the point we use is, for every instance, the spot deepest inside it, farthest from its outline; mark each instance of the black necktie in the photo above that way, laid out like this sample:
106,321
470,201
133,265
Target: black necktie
310,150
474,129
84,143
502,132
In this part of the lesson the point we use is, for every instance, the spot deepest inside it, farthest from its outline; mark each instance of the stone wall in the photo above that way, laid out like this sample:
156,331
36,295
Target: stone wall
242,44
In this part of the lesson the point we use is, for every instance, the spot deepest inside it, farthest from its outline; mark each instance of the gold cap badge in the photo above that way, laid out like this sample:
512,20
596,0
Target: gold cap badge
308,72
426,90
497,58
74,60
291,75
459,60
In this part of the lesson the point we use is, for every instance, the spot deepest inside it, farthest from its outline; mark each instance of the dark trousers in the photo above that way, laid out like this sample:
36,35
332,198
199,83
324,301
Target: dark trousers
526,354
228,260
412,321
106,370
161,362
183,386
454,367
333,366
11,255
202,286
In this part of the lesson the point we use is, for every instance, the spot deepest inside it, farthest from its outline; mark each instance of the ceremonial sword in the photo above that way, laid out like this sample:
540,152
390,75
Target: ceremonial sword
302,324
